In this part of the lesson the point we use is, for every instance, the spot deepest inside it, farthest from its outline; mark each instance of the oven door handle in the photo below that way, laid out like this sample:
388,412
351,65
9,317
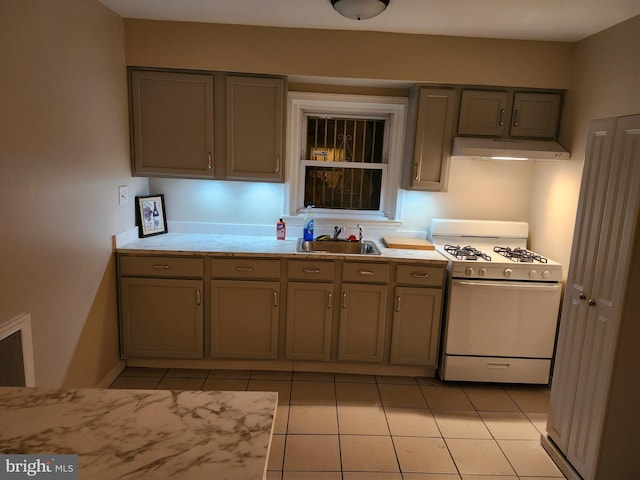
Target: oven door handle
549,287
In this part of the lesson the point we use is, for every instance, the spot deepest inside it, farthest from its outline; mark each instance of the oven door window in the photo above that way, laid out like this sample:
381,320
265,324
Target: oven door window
502,319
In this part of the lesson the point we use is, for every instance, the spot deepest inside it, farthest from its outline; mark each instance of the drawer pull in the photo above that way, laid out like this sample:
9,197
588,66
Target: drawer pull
398,302
311,270
344,300
161,267
368,273
275,298
501,119
498,365
420,275
244,269
198,297
330,300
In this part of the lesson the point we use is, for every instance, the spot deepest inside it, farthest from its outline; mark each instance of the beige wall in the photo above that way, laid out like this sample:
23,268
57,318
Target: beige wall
347,54
605,83
64,150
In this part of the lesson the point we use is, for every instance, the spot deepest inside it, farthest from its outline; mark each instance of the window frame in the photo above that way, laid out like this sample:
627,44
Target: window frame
302,104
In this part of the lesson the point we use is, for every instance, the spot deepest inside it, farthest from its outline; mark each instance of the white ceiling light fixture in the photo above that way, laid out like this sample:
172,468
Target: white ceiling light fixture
360,9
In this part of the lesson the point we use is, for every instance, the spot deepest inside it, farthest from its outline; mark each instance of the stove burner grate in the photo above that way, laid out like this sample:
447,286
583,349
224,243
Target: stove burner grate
466,253
519,254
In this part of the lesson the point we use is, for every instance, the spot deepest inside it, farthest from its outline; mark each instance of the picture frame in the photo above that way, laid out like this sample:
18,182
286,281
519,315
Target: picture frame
151,215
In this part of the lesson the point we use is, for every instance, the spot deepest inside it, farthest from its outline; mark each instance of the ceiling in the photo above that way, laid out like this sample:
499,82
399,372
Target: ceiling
553,20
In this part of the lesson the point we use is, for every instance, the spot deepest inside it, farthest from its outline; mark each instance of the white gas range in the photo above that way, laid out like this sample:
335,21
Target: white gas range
502,303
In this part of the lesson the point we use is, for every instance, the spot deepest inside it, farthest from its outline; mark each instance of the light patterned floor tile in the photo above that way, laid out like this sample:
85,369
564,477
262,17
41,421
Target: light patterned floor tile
282,387
423,455
271,375
509,426
461,424
316,419
446,397
371,476
223,373
354,378
493,399
489,477
168,383
366,453
430,476
405,396
276,453
531,399
274,475
478,457
529,458
396,380
313,376
411,422
357,394
313,393
143,372
362,420
539,421
187,373
225,384
282,419
312,476
136,382
313,453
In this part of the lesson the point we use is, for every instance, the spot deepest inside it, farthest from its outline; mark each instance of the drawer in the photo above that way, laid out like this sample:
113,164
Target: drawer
420,275
161,266
365,272
311,270
244,268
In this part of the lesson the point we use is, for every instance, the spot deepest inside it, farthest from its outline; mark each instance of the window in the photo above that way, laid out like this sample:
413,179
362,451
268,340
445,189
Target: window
345,154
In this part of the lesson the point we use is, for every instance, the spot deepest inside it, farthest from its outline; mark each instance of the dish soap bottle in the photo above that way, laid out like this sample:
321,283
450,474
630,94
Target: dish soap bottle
307,231
281,230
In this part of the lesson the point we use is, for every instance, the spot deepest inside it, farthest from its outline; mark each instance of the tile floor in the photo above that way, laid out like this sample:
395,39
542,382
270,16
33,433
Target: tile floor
359,427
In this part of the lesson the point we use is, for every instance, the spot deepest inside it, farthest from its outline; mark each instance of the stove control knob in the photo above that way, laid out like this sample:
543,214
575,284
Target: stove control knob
546,274
469,271
483,272
508,272
533,274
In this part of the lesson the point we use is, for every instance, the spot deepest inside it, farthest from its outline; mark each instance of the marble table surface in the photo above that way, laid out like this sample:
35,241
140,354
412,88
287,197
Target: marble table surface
142,434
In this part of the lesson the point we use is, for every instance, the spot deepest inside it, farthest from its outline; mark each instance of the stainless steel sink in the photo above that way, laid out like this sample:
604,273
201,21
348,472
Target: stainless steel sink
366,247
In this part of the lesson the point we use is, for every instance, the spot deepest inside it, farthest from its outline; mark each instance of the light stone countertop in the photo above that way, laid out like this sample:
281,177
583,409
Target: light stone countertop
247,245
142,434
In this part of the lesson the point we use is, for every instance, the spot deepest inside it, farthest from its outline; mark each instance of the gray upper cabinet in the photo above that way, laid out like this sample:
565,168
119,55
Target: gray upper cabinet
172,124
482,112
535,114
428,142
255,128
509,113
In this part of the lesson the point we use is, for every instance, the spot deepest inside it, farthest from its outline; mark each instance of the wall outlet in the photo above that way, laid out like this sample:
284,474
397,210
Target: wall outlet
123,195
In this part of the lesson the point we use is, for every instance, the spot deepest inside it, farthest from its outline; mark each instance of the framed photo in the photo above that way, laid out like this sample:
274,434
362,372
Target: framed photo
150,215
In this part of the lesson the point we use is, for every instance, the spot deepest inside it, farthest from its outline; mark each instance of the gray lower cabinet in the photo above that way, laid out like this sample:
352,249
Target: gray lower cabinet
244,308
161,314
417,315
244,319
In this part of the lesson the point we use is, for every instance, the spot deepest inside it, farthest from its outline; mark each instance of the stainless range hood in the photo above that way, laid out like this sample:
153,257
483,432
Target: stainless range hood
508,149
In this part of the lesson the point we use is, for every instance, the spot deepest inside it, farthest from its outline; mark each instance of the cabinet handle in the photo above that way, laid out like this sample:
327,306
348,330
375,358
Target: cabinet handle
277,163
198,297
398,301
592,302
582,296
367,273
344,300
311,270
210,164
162,267
275,298
515,117
420,275
416,169
501,118
244,269
330,300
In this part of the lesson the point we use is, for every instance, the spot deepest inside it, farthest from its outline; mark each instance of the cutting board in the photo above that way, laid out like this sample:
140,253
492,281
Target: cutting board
409,243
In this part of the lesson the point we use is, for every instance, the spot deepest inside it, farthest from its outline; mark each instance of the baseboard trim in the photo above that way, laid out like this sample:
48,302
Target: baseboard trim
110,377
559,459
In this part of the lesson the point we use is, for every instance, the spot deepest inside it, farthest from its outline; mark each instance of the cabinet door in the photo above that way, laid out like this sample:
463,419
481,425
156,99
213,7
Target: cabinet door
483,112
429,165
255,128
309,316
172,124
244,319
161,318
605,299
415,333
535,114
362,319
579,281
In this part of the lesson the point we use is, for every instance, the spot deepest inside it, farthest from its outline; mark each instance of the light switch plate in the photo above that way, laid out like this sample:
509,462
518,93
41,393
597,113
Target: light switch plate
123,195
